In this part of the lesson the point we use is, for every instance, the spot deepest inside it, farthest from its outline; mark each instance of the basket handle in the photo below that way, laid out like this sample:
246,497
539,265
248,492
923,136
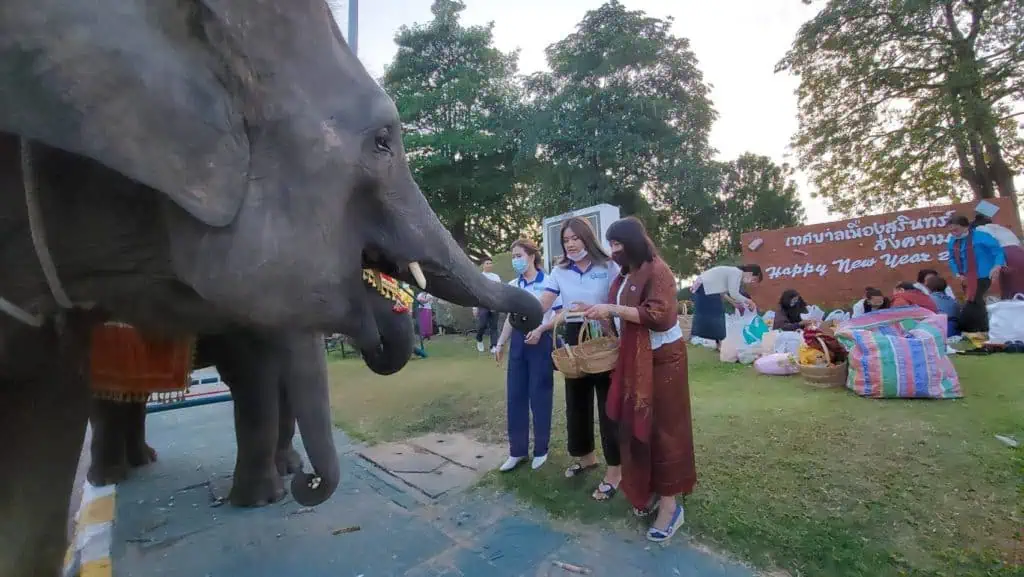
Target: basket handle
824,349
554,339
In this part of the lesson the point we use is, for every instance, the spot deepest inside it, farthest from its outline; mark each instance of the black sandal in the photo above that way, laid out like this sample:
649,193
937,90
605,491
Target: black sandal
606,491
650,509
577,469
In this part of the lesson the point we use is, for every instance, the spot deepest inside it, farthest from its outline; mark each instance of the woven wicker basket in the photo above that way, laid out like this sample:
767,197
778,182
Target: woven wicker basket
827,377
685,319
593,355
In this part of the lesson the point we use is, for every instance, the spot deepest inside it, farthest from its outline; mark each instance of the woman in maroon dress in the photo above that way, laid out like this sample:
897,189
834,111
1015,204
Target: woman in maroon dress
650,392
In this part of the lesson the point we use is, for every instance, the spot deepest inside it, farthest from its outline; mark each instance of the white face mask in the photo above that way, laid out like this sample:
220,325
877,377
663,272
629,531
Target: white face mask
577,256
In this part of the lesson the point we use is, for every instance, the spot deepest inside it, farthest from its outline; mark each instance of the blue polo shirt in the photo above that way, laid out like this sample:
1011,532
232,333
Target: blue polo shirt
537,289
589,286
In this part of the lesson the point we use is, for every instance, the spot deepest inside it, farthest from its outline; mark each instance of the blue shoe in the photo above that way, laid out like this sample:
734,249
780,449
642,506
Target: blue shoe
656,535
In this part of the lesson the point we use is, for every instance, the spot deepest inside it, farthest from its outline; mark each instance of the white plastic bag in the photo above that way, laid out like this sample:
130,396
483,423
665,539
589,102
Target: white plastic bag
747,354
734,325
814,313
788,342
1006,321
837,315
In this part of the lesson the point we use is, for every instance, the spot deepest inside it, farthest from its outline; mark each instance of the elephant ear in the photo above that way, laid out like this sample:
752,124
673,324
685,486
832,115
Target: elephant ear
102,80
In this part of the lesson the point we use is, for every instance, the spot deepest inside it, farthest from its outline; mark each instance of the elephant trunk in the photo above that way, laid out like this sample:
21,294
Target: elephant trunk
409,231
309,393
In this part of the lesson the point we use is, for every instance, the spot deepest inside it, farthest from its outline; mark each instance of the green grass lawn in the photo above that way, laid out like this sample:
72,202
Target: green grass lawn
815,482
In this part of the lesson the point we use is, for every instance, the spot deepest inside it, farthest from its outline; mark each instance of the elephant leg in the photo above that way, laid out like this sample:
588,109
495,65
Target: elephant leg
287,458
137,452
44,408
108,463
253,372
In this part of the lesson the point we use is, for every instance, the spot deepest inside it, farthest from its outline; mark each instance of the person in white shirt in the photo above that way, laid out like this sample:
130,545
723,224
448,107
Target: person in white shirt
1011,277
581,279
530,380
487,320
711,288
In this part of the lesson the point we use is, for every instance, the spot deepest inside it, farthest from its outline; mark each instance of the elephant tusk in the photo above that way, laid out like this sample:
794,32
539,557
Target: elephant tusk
417,273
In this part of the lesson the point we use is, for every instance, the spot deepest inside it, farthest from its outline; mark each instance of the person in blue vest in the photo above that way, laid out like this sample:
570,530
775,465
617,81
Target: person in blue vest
530,380
975,257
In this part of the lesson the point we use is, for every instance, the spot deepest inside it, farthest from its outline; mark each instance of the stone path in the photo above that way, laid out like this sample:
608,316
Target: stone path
168,522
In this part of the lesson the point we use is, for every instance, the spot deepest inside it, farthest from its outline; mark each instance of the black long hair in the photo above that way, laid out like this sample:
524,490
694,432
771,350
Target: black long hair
636,245
792,311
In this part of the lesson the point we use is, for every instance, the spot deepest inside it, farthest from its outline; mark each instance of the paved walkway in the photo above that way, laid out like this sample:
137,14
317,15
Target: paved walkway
169,524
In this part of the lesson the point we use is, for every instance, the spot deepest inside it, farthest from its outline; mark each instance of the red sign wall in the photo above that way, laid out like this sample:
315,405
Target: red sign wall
831,263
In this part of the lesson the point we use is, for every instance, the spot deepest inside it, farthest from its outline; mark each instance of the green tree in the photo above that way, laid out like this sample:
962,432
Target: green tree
462,109
755,194
623,117
904,102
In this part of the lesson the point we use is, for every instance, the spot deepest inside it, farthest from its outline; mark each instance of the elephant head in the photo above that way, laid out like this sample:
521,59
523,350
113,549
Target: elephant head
278,160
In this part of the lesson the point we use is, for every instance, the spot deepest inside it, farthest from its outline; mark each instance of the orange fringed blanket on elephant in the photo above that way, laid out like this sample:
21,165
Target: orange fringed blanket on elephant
128,368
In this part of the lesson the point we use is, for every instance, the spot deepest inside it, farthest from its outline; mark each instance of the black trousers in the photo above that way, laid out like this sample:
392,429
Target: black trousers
487,322
974,315
579,411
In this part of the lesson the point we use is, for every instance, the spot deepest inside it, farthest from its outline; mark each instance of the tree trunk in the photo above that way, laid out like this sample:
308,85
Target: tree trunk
459,231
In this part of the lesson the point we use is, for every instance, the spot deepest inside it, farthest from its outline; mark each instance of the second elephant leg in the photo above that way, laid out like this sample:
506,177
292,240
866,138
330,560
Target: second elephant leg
287,458
137,452
253,373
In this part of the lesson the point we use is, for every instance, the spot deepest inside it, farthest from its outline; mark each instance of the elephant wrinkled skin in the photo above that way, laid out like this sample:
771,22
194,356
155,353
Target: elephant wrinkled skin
198,165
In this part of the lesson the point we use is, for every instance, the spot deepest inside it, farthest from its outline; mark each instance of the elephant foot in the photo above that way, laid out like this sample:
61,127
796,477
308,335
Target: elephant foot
101,475
141,456
256,490
288,461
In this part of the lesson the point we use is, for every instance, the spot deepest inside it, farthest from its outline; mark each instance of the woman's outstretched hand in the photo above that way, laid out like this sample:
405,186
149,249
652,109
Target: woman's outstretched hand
601,312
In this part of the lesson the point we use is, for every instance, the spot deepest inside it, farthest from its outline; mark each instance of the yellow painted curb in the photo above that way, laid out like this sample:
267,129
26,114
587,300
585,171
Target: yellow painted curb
99,511
101,568
89,552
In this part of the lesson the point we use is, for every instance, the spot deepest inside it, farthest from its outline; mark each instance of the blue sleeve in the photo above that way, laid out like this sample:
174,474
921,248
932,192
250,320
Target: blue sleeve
951,249
992,246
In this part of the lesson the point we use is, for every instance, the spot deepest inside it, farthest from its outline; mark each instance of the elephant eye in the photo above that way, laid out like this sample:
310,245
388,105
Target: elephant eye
383,140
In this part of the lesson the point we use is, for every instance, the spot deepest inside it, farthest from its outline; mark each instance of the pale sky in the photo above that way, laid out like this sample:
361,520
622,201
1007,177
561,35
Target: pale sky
737,43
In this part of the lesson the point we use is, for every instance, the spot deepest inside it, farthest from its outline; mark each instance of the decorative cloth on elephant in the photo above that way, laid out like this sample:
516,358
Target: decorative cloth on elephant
389,288
127,367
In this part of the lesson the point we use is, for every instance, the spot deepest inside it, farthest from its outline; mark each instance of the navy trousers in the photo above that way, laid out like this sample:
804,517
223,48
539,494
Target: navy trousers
530,387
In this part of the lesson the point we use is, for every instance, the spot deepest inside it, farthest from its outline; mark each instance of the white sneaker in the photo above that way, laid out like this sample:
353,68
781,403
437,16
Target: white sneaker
494,350
480,347
510,463
538,462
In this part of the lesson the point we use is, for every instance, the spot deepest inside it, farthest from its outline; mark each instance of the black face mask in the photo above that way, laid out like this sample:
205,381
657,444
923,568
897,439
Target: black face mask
620,258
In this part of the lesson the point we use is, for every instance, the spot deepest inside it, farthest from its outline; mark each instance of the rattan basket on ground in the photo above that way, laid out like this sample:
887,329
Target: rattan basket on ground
827,377
593,355
685,319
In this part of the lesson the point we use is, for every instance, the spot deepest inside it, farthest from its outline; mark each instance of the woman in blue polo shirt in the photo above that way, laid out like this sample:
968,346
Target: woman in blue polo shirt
530,380
581,279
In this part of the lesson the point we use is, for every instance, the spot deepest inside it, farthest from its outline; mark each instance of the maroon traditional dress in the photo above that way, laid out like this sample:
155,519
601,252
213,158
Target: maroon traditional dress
650,392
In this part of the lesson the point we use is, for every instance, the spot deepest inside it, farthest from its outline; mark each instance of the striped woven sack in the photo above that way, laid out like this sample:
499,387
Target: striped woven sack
900,357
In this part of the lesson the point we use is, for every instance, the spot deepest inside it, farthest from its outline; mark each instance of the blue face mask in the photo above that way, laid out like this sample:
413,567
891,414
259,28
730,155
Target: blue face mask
519,265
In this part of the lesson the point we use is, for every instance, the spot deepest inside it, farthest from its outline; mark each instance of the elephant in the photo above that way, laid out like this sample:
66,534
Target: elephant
255,367
187,167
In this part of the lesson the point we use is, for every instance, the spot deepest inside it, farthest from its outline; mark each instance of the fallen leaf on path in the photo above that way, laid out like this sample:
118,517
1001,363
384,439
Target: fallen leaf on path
572,568
342,531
